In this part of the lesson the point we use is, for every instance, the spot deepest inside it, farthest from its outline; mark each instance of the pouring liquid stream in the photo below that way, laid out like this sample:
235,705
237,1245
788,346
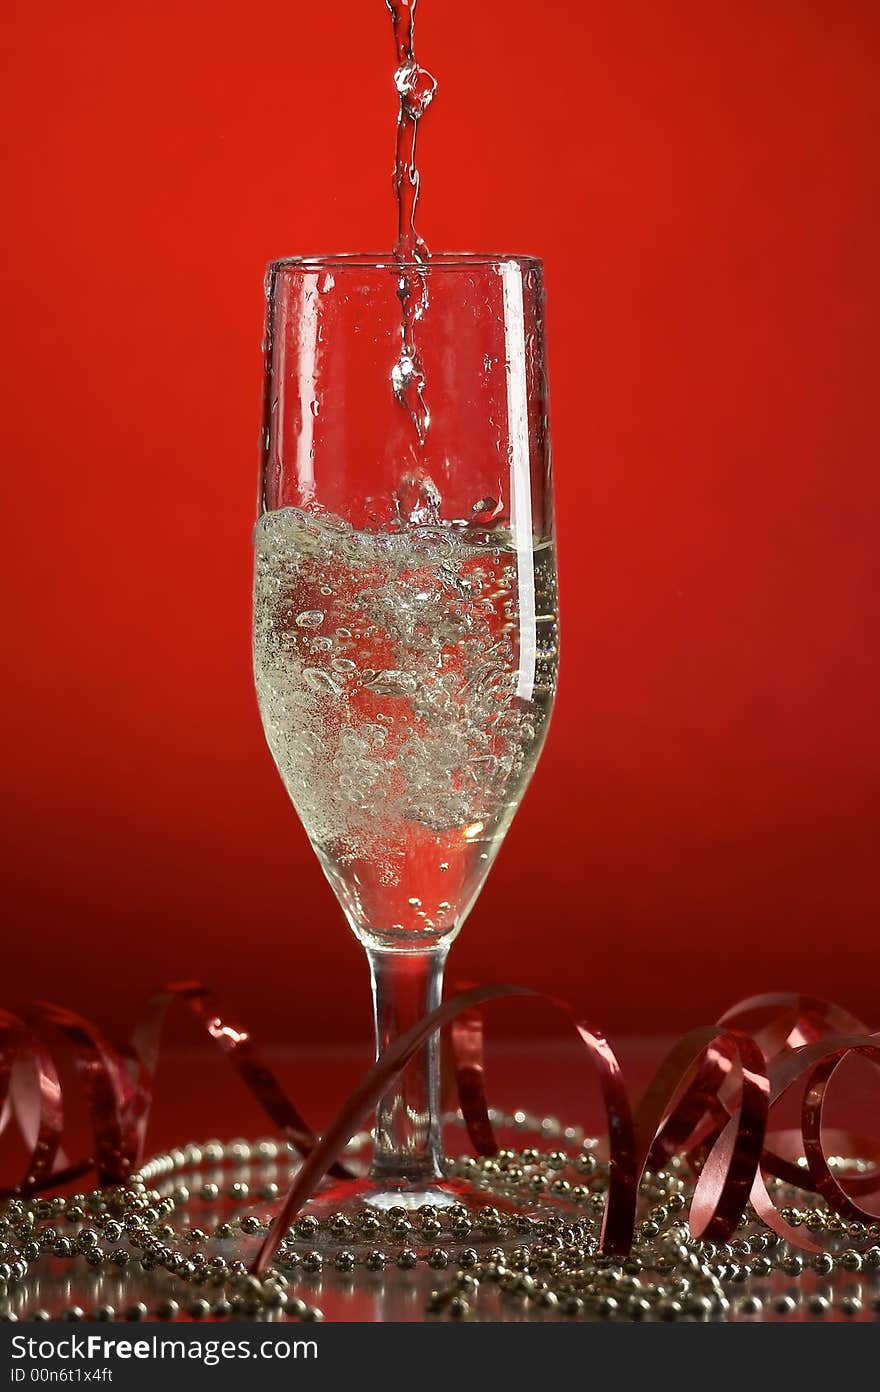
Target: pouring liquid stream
416,88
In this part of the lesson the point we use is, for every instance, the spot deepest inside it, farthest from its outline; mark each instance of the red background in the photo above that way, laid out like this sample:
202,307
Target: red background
702,180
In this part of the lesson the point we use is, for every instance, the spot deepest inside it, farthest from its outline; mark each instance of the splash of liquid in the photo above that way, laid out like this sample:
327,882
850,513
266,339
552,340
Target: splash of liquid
416,88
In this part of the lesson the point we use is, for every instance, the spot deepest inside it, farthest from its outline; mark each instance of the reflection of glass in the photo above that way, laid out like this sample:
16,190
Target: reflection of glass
405,632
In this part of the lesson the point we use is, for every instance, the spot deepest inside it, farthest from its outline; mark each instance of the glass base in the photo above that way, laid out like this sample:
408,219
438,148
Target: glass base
440,1213
359,1195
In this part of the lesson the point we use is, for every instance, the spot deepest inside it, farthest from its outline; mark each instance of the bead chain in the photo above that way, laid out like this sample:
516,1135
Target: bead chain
556,1268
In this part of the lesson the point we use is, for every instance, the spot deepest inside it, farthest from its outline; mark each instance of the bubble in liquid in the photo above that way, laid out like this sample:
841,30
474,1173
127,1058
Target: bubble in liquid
456,741
414,903
319,680
392,683
310,618
343,664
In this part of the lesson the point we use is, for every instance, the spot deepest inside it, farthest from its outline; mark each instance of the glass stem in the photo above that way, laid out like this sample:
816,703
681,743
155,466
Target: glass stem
406,986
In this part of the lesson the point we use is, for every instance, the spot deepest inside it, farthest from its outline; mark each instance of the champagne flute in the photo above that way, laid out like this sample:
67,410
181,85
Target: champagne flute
405,617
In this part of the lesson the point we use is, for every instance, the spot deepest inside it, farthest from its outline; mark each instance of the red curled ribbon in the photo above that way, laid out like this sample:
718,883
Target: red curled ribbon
708,1102
469,1078
832,1192
236,1043
36,1109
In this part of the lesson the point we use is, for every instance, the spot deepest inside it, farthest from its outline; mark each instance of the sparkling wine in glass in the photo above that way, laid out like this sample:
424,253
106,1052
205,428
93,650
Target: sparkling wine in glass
405,617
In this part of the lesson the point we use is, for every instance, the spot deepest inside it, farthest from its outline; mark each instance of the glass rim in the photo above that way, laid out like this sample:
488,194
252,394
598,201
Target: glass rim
386,261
